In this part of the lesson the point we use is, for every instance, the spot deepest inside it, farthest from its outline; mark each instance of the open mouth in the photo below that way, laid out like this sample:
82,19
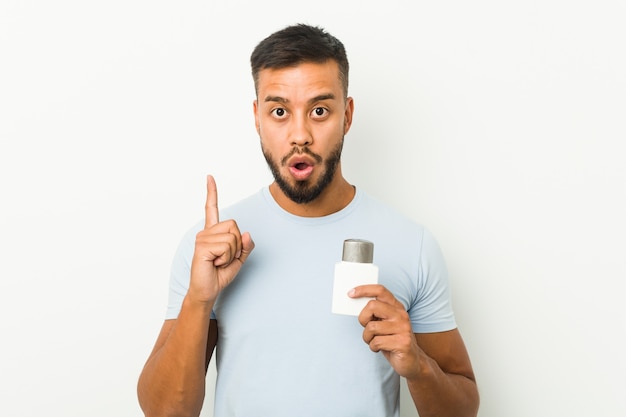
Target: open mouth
301,170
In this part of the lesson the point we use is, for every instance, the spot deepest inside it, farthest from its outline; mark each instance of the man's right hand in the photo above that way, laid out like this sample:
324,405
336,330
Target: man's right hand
220,252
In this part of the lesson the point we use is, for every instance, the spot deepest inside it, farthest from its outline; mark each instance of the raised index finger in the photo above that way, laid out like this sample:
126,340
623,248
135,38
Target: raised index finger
211,212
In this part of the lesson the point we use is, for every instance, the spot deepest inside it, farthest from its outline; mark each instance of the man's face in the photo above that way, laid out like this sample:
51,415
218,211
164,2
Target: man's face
302,116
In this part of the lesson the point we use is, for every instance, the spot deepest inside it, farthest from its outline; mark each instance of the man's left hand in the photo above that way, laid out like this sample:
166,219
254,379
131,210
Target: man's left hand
388,329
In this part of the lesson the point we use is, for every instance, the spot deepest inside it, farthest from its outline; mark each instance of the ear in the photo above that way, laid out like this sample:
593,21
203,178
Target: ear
255,109
348,115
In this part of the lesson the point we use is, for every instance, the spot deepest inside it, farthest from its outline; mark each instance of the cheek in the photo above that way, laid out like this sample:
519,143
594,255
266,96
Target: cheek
273,141
266,135
331,134
269,128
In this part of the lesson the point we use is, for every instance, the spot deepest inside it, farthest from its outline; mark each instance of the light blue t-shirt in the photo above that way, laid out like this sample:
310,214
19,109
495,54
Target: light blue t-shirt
281,352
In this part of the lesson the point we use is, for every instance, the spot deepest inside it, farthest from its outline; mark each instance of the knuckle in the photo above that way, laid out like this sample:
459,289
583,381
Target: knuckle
230,222
200,237
373,326
374,345
404,316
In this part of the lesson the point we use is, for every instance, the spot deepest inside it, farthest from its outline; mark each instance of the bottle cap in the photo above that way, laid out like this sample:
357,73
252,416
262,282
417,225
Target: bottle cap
358,250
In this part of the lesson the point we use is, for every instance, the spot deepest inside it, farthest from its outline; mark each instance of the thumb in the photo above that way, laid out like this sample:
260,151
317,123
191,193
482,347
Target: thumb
247,244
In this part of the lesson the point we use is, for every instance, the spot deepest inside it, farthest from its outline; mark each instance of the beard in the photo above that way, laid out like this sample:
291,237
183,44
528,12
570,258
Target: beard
302,192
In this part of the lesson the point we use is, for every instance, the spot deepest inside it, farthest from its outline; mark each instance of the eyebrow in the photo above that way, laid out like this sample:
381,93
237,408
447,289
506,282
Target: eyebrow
321,97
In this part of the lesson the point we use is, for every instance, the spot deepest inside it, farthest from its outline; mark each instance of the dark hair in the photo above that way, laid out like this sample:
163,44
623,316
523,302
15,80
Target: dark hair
297,44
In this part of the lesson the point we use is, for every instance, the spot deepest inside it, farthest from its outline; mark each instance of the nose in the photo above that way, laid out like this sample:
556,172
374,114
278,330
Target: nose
301,132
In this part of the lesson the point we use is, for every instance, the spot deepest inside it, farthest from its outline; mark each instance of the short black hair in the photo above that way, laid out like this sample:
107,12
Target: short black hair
297,44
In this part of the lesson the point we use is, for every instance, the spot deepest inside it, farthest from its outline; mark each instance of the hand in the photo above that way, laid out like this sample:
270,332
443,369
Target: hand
388,329
219,253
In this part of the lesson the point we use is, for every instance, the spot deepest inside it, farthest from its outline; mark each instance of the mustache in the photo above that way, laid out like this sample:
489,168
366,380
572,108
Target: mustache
298,150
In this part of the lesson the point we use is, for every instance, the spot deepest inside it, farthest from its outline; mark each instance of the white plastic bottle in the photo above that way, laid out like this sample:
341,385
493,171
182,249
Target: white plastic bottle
356,268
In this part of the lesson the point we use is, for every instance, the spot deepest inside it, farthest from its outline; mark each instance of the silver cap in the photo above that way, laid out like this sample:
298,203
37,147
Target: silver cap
358,250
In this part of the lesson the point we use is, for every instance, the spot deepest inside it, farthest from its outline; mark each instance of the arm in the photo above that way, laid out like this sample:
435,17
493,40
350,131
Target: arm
173,379
445,384
436,365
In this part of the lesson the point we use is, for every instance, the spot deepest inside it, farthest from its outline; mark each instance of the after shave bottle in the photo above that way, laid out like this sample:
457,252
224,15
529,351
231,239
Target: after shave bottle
356,268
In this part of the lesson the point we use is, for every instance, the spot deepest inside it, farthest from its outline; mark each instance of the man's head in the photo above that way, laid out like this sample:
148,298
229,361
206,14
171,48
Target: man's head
302,111
297,44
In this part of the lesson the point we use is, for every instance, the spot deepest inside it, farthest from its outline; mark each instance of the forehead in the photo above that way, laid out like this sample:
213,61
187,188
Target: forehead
305,79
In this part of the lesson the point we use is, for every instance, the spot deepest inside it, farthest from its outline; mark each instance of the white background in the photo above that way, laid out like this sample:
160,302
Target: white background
498,124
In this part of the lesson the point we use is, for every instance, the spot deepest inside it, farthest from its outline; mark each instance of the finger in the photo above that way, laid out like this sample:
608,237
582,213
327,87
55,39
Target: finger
392,324
241,254
221,253
210,242
391,343
247,244
211,212
376,310
376,291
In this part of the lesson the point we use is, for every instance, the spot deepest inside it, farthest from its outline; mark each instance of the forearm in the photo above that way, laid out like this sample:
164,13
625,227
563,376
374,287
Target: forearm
172,382
439,394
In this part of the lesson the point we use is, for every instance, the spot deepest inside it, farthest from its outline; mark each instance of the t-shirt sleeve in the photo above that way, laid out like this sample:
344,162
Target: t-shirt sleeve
431,310
180,273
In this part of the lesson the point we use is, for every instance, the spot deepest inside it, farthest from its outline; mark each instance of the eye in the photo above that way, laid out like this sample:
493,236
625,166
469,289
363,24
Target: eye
279,112
319,112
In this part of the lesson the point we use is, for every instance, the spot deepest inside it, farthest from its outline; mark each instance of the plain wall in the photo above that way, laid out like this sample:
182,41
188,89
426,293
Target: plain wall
497,124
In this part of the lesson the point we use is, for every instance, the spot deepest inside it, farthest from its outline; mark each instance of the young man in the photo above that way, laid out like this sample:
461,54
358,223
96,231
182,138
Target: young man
266,304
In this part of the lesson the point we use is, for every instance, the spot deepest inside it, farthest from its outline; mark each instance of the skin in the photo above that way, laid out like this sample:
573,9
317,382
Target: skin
297,107
172,382
297,94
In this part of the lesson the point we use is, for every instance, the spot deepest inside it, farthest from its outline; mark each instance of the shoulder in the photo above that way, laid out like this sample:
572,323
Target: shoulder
400,236
389,217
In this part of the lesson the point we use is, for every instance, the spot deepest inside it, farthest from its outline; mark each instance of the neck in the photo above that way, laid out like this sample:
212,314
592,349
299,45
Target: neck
334,198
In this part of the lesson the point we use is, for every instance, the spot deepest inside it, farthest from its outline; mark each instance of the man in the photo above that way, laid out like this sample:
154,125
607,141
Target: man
266,304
